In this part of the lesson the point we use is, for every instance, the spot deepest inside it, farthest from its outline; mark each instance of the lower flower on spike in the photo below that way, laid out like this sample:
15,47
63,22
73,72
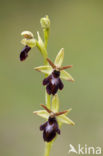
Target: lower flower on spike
53,83
54,119
50,128
24,53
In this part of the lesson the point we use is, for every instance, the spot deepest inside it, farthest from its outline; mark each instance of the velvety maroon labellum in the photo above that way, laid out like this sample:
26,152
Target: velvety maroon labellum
50,128
53,83
24,53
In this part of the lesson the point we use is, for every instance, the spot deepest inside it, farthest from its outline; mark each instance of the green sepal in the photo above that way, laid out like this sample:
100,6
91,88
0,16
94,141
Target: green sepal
44,69
66,76
64,119
42,113
59,58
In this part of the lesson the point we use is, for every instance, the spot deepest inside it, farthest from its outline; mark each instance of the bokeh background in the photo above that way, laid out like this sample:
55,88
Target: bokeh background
78,27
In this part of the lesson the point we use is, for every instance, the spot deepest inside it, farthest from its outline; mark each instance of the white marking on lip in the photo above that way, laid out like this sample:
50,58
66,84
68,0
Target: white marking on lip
54,80
49,128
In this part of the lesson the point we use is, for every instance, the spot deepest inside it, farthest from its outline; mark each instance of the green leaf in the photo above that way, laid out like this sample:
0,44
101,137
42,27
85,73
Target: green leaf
42,113
64,119
44,69
59,58
55,103
66,76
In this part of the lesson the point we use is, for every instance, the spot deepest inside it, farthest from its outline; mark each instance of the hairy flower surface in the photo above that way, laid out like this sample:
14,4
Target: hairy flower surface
55,73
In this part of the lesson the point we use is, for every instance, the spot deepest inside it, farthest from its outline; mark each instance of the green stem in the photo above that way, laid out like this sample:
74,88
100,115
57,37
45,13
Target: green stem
46,35
43,50
47,148
47,99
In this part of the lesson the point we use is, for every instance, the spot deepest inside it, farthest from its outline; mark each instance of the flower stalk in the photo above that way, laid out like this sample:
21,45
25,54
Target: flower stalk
45,55
54,72
47,148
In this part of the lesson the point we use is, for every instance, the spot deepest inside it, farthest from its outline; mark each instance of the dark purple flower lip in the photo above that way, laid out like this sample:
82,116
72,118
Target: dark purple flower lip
53,83
50,128
24,53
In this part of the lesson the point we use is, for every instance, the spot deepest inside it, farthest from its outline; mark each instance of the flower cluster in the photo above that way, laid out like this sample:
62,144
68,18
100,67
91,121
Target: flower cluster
54,73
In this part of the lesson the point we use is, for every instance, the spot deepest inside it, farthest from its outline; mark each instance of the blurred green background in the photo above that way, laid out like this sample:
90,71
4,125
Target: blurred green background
77,26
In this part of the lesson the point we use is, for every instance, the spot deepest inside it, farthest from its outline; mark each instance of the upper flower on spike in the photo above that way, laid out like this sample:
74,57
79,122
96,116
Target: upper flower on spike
56,72
45,22
54,119
27,34
29,42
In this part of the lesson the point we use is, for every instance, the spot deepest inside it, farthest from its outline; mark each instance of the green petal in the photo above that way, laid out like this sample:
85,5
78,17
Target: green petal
64,119
42,113
59,58
23,41
44,69
55,104
66,76
27,34
30,42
